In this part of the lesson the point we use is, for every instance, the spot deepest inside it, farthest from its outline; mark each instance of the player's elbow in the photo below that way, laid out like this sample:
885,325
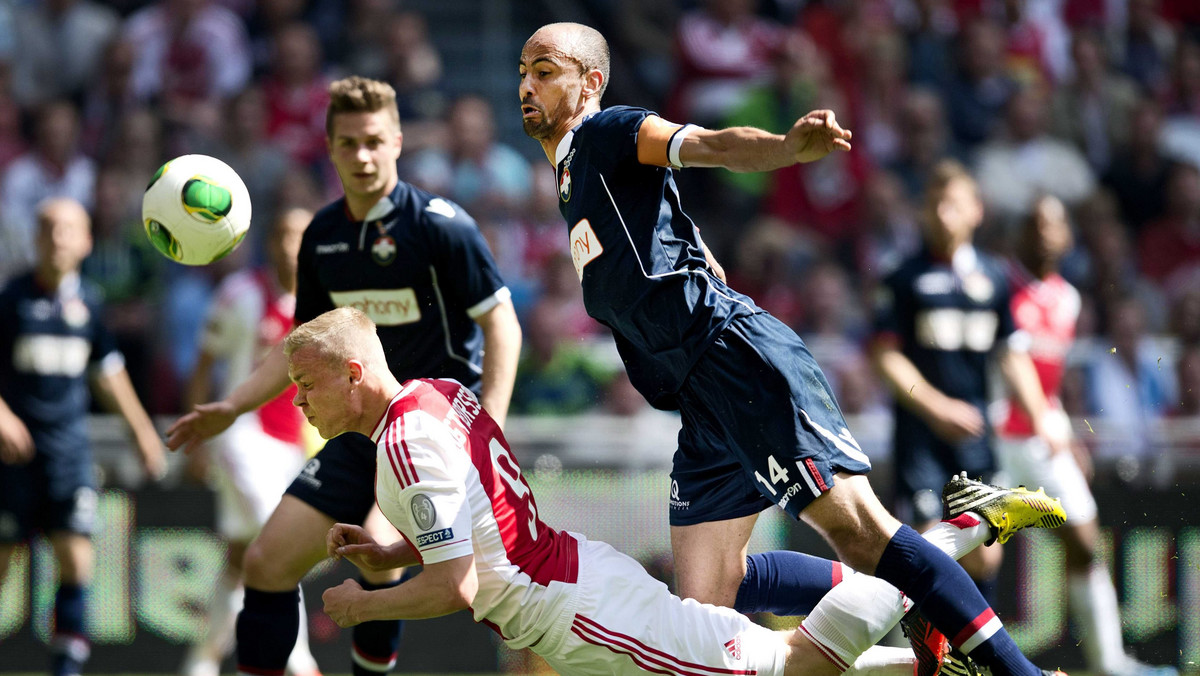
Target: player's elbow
466,590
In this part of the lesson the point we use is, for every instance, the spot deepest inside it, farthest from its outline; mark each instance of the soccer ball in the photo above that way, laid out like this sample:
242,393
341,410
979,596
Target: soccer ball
196,209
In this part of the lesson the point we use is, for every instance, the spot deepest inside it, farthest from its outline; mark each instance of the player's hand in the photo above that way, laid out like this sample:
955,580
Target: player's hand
342,603
1055,429
204,422
816,135
955,420
353,543
16,444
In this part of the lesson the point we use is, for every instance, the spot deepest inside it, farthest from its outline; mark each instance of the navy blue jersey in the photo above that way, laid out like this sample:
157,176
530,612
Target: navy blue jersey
418,267
946,321
49,339
638,255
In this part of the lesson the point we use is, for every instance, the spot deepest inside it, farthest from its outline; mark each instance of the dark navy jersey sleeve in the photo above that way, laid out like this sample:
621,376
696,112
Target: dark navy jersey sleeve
613,135
466,272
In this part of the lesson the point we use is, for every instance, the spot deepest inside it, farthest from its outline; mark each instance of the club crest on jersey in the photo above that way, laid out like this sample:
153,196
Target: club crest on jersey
564,185
384,250
424,515
979,287
75,313
564,179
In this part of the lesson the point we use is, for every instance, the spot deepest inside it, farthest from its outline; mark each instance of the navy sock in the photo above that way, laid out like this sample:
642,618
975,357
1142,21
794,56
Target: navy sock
785,583
266,631
376,643
950,601
69,648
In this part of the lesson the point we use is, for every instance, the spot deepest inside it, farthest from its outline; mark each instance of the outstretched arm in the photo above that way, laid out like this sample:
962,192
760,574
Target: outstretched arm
439,589
207,420
742,149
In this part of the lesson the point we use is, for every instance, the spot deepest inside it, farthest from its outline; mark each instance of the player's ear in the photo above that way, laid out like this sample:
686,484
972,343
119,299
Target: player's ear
593,80
355,371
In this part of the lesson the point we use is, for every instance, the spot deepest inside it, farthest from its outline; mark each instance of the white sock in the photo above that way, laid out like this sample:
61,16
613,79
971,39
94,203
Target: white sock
301,661
860,611
1095,609
883,661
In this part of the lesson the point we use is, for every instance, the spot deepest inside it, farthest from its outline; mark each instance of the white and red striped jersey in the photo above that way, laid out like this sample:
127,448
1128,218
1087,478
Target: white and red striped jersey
1048,310
248,317
448,482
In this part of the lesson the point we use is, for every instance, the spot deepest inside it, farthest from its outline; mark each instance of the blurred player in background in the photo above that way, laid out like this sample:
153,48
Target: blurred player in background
448,481
760,425
940,317
419,267
52,338
1046,307
251,463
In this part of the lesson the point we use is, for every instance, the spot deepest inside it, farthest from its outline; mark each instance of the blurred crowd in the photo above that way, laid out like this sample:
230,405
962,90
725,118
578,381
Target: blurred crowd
1094,101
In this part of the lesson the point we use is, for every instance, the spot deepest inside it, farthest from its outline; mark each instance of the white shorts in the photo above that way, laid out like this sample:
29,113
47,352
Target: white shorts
627,622
251,470
1028,462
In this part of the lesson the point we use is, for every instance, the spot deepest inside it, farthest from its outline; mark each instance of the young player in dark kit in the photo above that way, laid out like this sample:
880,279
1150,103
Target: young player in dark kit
418,266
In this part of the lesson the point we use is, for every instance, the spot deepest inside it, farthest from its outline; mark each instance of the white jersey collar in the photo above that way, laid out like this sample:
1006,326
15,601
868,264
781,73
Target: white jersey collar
560,152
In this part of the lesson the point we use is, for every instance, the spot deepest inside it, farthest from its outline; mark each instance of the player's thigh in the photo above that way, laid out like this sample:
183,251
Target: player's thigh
339,481
852,520
289,545
760,427
73,552
710,559
626,622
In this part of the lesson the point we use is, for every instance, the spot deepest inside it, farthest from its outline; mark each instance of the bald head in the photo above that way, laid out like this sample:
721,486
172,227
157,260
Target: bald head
575,42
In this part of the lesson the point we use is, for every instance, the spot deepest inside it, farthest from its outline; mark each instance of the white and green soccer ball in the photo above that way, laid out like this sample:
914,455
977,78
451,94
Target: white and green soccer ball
196,209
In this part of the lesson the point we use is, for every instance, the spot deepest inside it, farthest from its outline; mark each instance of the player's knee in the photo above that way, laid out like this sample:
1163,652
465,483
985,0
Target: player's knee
266,570
717,585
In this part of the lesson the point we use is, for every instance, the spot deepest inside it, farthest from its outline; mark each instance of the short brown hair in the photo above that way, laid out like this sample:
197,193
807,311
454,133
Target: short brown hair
357,94
943,174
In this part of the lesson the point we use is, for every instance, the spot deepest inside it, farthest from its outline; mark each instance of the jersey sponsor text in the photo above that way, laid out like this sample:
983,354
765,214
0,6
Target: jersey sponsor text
386,307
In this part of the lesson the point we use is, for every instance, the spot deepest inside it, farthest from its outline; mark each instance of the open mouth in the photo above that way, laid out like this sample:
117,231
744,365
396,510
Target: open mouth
527,111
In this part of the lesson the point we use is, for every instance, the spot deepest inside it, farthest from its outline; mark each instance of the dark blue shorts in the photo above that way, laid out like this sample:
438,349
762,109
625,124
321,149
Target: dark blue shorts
339,481
56,491
760,427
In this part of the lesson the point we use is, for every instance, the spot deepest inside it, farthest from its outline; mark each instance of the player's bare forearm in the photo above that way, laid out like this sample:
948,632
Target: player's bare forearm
1021,377
501,350
267,380
749,149
439,589
199,386
118,396
905,381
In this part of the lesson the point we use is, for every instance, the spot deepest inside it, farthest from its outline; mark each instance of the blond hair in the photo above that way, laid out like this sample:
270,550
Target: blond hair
338,336
357,94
